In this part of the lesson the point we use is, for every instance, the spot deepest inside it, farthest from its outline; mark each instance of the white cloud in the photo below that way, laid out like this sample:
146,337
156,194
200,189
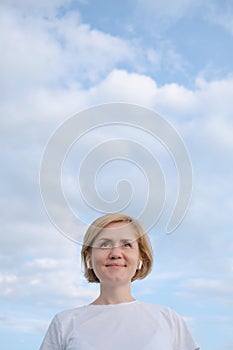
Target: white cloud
166,10
122,86
55,51
221,131
218,290
154,57
39,8
19,322
47,280
44,68
220,14
37,59
176,98
52,66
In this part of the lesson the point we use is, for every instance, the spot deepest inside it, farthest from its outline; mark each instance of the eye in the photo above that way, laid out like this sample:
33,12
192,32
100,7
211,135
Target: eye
105,244
127,245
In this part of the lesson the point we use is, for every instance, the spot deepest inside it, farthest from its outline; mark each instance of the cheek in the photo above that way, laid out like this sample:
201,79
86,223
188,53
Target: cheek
136,260
98,258
133,258
136,254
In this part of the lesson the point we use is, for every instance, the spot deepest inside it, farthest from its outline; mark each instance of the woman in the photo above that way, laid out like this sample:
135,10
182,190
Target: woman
115,252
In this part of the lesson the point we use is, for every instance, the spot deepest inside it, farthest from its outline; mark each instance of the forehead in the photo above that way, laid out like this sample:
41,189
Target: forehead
118,230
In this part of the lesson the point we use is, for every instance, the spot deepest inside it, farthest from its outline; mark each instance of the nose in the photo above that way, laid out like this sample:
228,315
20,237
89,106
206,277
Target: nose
115,252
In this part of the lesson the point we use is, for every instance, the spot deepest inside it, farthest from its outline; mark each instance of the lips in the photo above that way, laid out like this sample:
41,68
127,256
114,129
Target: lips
115,265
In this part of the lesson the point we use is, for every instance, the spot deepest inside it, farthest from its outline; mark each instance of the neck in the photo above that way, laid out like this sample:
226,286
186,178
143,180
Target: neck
114,295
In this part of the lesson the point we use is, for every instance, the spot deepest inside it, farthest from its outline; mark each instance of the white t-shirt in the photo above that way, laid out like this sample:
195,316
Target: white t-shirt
134,325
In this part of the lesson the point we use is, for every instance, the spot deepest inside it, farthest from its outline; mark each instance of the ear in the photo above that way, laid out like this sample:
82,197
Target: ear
140,265
88,261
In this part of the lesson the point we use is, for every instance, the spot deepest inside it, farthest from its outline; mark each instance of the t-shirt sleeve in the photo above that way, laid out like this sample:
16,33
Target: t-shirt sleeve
52,339
182,337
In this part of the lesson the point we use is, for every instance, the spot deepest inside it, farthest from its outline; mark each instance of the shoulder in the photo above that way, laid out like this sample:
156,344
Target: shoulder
165,315
175,323
62,320
166,311
68,314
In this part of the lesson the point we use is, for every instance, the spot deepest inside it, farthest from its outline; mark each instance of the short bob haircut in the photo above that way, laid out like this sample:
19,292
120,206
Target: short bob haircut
145,249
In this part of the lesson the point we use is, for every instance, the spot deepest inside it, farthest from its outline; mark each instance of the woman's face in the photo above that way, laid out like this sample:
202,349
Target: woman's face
115,254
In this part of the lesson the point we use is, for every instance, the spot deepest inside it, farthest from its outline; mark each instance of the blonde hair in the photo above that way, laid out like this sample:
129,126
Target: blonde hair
145,249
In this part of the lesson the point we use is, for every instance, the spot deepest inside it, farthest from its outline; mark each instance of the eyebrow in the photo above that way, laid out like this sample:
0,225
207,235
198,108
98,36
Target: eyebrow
121,240
109,239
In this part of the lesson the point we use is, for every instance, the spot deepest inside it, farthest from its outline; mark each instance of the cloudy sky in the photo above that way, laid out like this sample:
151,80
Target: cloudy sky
61,57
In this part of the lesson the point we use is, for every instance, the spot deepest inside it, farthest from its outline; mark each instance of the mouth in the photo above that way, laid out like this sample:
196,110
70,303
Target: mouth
115,265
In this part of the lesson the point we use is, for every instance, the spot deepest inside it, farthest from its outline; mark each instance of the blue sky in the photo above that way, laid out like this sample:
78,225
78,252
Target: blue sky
61,57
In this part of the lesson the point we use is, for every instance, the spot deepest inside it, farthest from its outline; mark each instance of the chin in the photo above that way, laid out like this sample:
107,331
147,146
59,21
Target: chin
116,280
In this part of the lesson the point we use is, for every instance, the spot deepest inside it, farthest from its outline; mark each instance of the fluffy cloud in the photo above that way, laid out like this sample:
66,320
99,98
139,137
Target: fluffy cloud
40,8
166,11
217,290
166,8
122,86
58,50
44,279
54,67
119,85
221,14
18,322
